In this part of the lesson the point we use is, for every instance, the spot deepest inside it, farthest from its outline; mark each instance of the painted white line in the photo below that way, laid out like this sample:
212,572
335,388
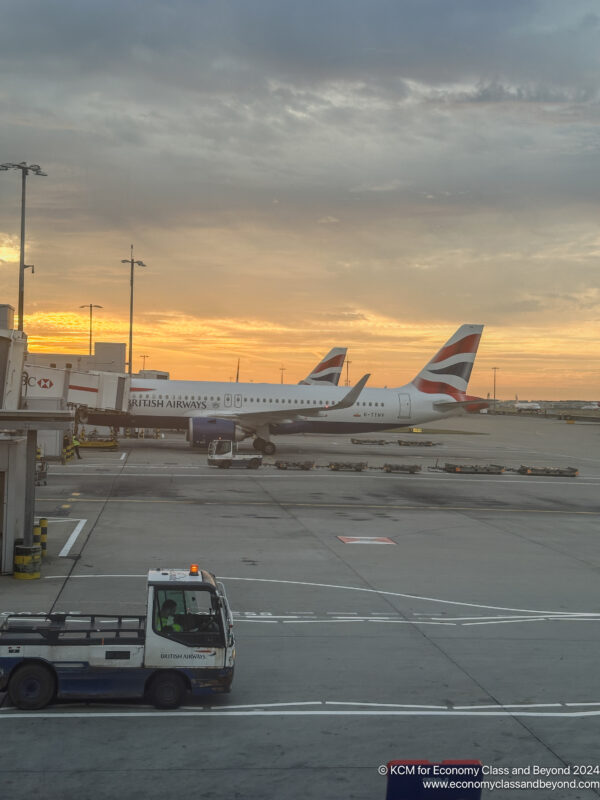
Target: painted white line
582,704
123,457
72,539
392,705
358,619
516,705
381,714
585,481
382,592
274,705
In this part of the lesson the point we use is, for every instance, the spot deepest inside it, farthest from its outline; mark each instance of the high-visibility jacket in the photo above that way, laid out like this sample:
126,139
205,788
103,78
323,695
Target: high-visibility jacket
168,623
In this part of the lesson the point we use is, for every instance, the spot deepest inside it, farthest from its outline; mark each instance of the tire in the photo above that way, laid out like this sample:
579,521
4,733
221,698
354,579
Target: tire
258,444
32,687
269,448
254,463
167,690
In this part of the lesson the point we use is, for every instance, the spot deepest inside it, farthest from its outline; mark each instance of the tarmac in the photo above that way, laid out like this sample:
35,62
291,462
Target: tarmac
463,624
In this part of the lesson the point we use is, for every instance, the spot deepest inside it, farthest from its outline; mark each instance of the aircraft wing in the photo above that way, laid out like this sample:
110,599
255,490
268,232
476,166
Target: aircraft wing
257,418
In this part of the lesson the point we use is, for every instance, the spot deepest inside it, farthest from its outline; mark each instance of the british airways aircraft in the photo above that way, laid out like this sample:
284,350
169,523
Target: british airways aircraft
209,410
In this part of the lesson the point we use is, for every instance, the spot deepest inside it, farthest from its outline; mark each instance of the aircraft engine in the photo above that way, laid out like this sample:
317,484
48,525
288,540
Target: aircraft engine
203,430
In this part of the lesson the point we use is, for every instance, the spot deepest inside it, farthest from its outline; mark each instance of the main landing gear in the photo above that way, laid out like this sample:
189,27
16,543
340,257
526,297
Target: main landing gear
268,448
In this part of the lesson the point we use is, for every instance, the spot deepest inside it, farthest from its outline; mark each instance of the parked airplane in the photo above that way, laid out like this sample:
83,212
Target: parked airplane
594,406
210,410
526,405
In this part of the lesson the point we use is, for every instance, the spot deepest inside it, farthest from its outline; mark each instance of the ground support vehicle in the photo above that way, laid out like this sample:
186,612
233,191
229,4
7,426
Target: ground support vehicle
223,453
370,441
184,643
563,472
294,464
352,466
410,468
470,469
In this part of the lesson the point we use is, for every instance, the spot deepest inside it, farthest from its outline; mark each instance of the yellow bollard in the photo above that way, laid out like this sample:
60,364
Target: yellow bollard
44,536
28,561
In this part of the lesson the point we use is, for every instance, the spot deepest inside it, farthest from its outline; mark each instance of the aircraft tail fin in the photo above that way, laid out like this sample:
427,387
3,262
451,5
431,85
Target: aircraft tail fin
328,370
449,370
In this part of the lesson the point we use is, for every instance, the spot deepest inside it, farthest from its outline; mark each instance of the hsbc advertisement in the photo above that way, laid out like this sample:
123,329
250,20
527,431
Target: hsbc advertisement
44,383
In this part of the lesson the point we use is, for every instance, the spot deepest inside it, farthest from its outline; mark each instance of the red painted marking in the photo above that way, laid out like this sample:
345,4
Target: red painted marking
336,361
140,389
467,345
431,387
83,388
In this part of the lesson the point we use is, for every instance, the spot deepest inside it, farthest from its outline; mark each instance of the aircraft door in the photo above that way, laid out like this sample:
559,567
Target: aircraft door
404,406
227,400
237,399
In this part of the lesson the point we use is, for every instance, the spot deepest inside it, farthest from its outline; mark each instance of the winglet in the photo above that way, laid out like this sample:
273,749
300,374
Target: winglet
352,396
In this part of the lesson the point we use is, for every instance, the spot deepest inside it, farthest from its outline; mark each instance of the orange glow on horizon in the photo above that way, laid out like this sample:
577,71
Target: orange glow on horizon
534,363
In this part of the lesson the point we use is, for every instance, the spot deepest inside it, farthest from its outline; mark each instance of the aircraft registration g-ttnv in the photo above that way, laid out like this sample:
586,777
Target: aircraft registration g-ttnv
212,410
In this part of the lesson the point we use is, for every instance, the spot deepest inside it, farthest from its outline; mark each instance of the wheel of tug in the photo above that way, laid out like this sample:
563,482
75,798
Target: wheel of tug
167,690
269,448
32,686
258,444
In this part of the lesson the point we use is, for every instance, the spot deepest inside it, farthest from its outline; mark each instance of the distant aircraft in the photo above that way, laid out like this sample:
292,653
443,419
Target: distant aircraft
328,370
212,410
595,406
526,405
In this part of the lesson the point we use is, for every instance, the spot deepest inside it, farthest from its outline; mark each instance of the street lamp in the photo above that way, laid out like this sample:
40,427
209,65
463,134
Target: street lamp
139,264
282,370
145,356
90,306
25,170
495,369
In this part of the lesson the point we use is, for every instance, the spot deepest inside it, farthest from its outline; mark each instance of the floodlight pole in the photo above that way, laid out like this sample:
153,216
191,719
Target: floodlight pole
25,169
139,264
90,306
495,369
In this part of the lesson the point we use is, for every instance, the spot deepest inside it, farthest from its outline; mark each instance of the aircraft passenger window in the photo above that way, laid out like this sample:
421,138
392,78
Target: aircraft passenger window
211,397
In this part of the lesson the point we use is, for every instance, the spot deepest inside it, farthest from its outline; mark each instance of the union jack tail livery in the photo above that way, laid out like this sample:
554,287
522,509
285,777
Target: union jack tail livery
449,370
328,370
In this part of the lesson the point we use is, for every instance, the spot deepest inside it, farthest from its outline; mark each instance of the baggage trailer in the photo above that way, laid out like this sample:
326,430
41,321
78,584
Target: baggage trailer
295,464
348,466
562,472
183,644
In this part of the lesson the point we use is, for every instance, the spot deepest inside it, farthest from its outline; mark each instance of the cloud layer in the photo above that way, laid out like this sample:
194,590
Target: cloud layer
425,162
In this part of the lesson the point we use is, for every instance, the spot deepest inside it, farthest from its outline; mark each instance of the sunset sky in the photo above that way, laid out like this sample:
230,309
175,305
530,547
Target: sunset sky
298,176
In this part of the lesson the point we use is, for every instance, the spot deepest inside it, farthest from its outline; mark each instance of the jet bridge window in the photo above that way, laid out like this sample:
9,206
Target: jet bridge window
189,616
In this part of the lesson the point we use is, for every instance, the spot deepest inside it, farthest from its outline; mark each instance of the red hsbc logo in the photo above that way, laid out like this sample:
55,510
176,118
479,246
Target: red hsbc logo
45,383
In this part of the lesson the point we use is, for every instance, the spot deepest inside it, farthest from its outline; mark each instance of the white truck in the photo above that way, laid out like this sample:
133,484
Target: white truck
184,643
223,453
